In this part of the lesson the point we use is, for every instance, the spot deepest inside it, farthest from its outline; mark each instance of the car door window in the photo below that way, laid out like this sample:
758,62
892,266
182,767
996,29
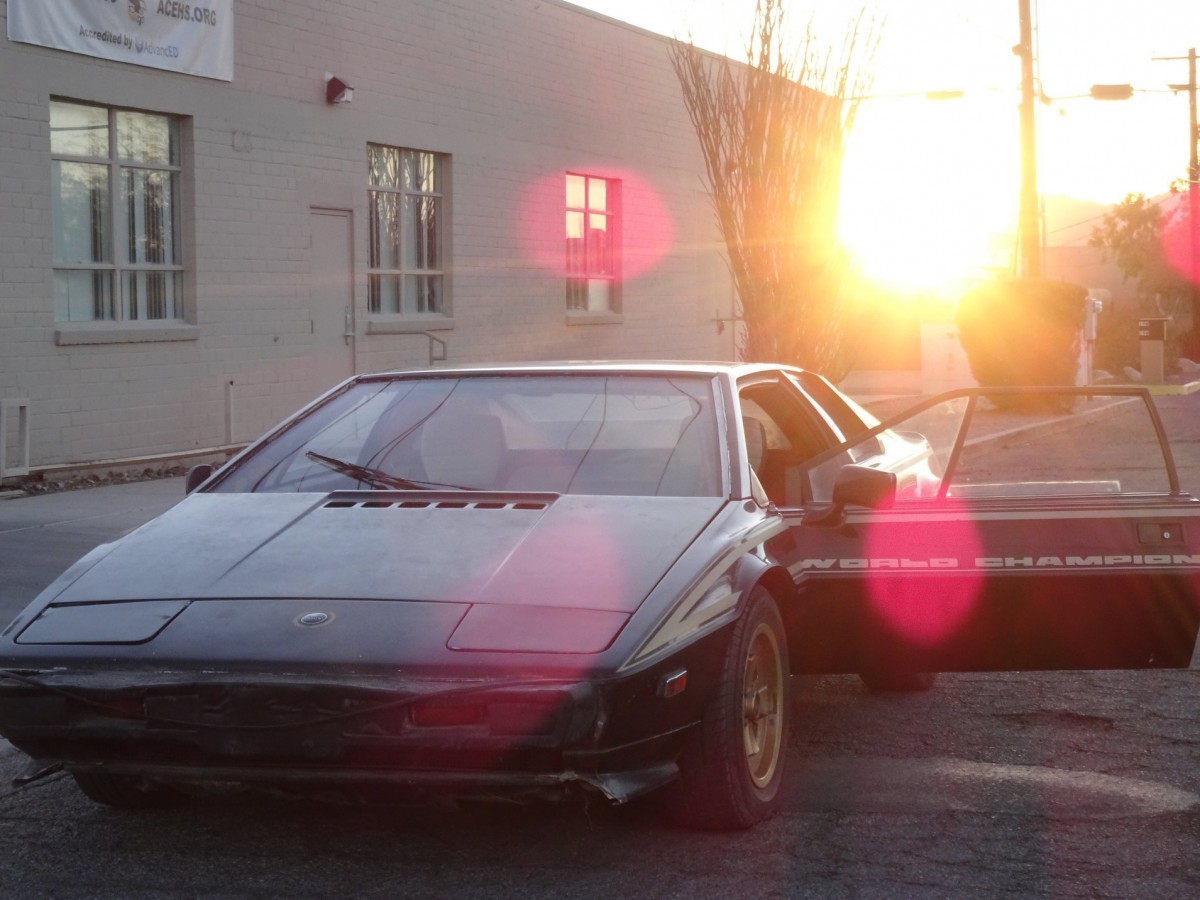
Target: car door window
954,452
845,416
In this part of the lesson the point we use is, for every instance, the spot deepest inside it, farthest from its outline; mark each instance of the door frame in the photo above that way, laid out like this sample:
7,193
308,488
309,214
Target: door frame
351,331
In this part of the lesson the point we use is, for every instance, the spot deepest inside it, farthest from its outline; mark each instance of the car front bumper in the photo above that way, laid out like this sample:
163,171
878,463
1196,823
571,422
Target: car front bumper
528,736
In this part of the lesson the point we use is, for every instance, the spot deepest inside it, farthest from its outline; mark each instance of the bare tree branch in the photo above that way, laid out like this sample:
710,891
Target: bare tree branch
773,133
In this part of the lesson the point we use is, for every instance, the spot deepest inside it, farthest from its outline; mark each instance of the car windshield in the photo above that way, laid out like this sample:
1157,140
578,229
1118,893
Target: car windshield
569,434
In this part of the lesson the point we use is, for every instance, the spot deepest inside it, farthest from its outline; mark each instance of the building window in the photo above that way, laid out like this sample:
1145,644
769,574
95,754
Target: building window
406,195
115,181
592,243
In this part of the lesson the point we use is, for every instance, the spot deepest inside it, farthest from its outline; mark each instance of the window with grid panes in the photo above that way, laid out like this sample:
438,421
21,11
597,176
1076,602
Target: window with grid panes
591,226
406,198
115,186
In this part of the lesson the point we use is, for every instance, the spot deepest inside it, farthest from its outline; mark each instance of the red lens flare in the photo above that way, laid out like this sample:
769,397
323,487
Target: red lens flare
923,584
645,228
1181,235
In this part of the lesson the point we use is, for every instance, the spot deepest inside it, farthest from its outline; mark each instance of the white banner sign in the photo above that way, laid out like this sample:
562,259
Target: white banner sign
195,38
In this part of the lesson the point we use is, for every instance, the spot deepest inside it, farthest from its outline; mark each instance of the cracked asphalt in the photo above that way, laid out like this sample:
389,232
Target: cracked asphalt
1069,784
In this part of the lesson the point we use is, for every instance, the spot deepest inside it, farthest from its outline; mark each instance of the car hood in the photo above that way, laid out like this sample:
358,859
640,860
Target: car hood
585,552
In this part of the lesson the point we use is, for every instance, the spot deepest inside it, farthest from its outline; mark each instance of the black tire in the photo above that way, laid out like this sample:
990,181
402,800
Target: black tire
732,772
125,791
897,681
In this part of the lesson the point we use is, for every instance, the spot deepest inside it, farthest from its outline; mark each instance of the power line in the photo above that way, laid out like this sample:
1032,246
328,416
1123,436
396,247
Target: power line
1154,202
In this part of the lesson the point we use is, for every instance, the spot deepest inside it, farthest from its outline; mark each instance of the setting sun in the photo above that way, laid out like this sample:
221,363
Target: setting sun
926,193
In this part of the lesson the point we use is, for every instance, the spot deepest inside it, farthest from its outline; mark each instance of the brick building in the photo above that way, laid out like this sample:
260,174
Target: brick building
192,247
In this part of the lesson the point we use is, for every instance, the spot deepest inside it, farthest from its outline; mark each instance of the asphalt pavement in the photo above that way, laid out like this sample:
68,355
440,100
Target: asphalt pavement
66,525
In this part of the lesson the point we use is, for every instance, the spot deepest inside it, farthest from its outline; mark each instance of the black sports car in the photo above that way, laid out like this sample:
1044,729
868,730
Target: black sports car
597,577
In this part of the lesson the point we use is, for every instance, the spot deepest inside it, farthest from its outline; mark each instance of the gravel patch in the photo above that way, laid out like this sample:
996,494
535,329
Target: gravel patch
83,480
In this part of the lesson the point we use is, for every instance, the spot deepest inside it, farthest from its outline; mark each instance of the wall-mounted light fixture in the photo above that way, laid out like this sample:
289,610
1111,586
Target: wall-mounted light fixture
336,90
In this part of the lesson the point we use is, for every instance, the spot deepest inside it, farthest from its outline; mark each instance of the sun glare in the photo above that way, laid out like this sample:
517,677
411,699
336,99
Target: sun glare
930,188
928,191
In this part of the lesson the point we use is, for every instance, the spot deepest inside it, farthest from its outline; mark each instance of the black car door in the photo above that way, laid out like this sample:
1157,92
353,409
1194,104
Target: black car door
1044,544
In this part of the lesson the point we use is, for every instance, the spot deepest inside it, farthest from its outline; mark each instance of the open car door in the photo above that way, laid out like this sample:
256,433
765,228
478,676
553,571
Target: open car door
1014,542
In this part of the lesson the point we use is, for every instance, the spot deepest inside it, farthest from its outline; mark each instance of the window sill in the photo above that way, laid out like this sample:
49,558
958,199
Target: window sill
584,317
68,334
408,324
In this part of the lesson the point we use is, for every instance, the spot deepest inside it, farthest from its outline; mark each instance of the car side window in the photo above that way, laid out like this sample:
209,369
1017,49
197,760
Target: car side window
847,417
782,433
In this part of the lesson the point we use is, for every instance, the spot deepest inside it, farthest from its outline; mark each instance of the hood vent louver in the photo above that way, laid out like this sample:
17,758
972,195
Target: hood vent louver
439,503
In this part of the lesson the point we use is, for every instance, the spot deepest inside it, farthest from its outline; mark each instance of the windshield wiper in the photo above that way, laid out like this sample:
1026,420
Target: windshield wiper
377,478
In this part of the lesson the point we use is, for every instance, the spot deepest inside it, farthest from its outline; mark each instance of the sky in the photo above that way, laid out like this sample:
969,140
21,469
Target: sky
931,187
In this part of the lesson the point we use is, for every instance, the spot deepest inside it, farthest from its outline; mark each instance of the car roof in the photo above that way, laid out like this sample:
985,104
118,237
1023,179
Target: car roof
618,367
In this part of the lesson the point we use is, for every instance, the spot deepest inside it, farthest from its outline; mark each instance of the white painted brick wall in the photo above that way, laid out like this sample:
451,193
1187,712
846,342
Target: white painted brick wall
516,92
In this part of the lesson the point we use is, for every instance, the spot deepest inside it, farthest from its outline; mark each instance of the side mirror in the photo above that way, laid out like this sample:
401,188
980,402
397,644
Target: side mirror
864,486
196,476
856,486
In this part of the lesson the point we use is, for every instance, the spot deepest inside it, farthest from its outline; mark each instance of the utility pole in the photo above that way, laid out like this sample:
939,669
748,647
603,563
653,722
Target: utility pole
1194,201
1193,193
1029,238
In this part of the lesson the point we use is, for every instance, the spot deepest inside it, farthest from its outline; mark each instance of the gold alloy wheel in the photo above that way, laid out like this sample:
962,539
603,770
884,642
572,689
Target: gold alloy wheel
762,696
